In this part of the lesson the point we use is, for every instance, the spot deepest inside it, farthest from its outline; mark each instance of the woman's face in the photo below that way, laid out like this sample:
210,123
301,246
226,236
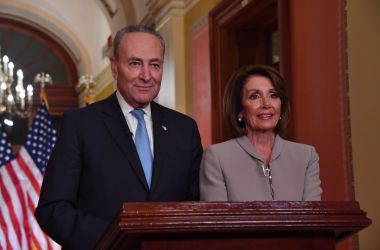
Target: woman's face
261,105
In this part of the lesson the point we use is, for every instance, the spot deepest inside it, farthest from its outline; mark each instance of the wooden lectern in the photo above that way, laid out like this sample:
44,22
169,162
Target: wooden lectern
236,225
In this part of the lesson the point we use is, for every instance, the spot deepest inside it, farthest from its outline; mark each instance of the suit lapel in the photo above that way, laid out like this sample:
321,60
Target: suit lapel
247,146
117,126
160,134
277,147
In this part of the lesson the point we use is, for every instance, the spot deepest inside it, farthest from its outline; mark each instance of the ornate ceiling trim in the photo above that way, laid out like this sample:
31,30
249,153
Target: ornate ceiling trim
50,25
159,11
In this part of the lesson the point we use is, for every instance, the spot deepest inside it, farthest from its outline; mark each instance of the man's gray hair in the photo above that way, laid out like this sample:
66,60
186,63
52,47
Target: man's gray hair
135,28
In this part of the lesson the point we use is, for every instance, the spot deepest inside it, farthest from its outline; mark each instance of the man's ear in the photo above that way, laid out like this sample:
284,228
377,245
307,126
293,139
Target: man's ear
114,68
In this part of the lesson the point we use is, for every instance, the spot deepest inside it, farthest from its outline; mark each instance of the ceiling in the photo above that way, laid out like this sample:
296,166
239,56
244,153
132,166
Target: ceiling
31,55
66,39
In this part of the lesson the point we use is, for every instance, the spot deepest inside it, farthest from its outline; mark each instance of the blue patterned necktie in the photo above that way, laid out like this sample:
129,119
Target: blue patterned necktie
143,145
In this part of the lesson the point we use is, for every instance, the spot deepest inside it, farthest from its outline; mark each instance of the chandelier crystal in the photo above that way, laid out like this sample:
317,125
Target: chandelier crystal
15,99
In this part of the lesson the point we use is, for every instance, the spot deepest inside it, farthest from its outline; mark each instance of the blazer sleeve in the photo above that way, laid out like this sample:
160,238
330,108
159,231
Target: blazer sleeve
312,186
57,211
212,182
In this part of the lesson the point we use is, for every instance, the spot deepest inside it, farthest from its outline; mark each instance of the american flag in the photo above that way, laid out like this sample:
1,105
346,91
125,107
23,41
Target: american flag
40,141
13,199
20,184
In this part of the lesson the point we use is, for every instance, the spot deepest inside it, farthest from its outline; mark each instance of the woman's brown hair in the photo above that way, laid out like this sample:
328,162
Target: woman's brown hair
233,95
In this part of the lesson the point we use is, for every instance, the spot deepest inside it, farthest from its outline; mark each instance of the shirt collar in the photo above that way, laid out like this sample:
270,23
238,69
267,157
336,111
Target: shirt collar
126,108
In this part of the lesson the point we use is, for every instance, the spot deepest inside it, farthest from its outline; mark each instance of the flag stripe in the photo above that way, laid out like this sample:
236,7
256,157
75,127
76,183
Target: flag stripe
17,177
12,209
12,204
29,174
5,242
40,240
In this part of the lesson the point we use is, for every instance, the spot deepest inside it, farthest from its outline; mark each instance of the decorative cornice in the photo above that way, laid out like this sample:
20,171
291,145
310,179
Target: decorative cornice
160,10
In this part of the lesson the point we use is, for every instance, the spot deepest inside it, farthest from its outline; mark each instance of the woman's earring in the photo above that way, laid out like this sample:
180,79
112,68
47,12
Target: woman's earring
240,118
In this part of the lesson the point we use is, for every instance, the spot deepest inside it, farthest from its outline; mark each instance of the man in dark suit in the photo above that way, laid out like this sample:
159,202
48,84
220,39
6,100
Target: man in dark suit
95,165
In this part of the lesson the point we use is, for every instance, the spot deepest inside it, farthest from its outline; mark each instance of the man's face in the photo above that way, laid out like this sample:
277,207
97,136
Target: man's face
138,69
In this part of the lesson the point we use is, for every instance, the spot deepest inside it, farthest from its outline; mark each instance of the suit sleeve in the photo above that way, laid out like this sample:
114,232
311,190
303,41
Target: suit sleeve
312,186
57,211
197,151
212,182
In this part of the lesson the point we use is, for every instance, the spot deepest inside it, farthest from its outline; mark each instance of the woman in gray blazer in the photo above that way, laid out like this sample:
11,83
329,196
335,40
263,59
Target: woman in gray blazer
258,164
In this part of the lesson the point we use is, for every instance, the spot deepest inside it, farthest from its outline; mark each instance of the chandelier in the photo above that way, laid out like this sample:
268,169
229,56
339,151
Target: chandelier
15,99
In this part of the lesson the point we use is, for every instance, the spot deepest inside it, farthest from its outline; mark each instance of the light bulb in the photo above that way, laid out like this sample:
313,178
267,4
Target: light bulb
5,59
22,94
20,74
10,98
29,88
